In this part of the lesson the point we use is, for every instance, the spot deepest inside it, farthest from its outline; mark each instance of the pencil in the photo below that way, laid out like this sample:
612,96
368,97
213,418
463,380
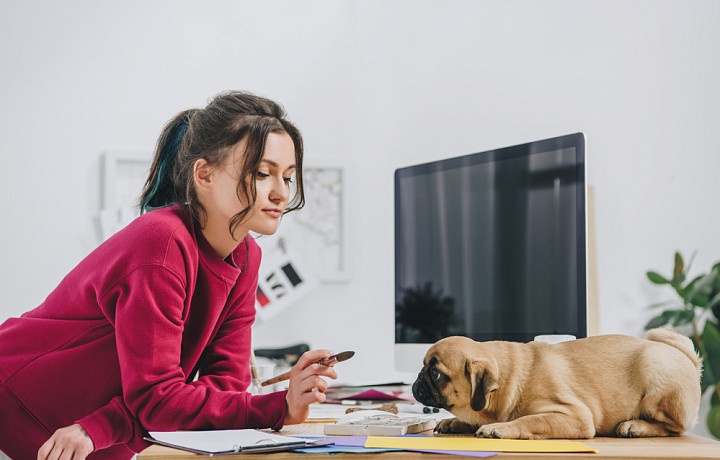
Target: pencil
345,355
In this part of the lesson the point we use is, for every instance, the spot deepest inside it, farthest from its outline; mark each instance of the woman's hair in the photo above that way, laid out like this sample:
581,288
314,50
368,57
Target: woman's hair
210,134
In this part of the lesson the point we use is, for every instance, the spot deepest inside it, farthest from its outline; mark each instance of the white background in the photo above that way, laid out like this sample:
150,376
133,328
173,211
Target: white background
375,85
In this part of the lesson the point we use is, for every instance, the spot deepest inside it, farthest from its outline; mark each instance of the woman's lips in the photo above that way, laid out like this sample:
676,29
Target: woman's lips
273,212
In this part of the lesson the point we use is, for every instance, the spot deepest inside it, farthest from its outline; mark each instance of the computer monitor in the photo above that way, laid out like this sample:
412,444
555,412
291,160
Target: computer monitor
492,246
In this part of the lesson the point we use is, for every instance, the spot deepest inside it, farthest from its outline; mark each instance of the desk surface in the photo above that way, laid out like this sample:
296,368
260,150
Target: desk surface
685,447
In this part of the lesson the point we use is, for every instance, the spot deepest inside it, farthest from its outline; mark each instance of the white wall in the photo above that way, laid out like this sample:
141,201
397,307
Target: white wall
378,85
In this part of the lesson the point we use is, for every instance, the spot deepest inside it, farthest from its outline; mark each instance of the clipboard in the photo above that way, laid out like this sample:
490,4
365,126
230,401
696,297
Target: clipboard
230,442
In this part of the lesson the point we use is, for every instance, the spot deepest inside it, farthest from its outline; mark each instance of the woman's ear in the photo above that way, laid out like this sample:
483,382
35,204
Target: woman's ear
202,175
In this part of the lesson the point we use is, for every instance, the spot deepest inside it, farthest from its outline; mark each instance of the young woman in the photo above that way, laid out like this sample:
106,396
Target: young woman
152,330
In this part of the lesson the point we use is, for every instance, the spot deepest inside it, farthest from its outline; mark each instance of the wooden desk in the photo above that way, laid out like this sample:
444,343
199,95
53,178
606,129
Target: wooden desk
685,447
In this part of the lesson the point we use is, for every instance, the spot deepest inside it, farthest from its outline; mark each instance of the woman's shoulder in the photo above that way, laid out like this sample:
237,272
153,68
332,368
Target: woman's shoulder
164,222
160,236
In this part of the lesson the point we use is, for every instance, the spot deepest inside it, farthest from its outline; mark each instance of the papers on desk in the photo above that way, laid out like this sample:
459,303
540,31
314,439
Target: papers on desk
225,442
397,392
329,413
379,423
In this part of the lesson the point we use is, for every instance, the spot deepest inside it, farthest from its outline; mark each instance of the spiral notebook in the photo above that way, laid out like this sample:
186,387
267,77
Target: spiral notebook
228,442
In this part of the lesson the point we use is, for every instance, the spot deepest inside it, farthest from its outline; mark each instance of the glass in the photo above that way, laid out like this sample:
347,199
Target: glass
260,373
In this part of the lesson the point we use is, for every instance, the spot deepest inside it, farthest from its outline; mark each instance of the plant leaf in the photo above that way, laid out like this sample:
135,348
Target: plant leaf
684,317
677,282
699,294
713,421
662,304
714,302
701,351
657,321
690,286
677,271
711,344
657,278
664,318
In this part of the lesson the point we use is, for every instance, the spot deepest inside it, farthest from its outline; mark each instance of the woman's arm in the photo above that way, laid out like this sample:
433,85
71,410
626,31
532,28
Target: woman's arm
110,425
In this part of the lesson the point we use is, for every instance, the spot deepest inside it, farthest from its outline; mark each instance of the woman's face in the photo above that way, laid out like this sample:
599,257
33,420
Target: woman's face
272,183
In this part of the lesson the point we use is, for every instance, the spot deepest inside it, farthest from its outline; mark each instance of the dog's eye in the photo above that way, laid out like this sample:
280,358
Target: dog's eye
434,374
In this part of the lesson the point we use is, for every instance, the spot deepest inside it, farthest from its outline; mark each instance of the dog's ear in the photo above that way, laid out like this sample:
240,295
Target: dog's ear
483,381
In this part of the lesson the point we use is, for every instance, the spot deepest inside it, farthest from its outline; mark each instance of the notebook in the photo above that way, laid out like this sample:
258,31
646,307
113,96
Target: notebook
226,442
379,423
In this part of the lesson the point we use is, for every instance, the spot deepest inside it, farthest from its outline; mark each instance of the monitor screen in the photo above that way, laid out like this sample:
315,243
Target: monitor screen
492,245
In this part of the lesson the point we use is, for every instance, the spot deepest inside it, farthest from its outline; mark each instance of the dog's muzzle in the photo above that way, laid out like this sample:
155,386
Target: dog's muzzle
423,393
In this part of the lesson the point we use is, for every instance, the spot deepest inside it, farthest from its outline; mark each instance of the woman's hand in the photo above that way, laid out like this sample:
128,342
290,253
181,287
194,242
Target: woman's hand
306,386
69,443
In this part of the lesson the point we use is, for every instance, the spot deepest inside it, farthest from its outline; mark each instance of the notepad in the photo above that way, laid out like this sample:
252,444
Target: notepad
225,442
478,444
378,423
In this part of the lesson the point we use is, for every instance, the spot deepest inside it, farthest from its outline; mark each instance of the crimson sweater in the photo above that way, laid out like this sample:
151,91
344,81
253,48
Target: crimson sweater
115,347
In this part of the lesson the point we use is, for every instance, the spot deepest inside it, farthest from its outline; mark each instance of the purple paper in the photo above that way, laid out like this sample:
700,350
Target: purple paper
359,441
465,453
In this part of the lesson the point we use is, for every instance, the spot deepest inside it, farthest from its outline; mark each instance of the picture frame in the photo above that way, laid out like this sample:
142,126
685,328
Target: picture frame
122,179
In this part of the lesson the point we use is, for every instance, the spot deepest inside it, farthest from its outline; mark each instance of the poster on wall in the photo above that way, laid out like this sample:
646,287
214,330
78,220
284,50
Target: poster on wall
283,280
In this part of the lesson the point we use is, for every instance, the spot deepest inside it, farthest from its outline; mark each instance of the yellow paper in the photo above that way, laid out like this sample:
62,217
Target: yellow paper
477,444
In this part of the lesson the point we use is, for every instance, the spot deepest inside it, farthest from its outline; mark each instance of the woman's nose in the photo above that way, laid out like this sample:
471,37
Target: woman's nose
280,190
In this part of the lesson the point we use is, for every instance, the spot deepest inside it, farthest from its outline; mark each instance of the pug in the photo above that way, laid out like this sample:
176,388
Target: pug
608,385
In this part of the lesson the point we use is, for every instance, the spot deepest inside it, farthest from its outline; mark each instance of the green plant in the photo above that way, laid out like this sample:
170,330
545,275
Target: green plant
424,314
698,312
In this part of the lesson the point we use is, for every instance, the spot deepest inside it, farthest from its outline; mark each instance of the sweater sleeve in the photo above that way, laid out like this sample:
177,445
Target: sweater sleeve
114,424
150,312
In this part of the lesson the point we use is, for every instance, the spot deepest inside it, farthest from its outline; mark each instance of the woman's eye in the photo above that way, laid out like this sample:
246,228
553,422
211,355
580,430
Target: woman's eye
287,179
262,175
434,374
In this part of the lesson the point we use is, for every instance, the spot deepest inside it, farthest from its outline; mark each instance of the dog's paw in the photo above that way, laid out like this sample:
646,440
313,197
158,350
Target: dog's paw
495,430
453,425
628,430
641,429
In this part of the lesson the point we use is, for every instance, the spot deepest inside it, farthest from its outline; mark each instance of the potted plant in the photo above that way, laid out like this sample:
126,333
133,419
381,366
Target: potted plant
696,312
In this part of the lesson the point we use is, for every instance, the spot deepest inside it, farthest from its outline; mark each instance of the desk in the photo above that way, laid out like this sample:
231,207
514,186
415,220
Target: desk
685,447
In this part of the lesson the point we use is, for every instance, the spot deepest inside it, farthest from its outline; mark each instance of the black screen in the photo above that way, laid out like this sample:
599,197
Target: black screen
492,245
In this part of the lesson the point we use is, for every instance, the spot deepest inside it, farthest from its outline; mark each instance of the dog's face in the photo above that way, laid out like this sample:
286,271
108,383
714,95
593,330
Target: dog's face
454,378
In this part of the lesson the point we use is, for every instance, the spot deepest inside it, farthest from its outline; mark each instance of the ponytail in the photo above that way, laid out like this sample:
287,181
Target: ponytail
160,189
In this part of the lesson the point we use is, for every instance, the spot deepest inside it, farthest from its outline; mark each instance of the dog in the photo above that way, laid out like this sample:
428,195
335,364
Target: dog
607,385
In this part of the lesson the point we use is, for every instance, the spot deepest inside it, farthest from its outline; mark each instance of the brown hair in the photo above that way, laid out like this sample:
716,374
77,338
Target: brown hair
210,133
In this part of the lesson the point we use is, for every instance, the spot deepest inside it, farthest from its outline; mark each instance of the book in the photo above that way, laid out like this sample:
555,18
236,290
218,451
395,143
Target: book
379,423
227,442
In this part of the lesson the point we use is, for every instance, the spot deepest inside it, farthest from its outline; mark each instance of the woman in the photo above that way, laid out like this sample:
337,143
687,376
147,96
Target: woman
152,330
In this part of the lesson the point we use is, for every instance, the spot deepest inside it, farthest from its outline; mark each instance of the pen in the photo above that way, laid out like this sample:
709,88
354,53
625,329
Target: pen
416,408
345,355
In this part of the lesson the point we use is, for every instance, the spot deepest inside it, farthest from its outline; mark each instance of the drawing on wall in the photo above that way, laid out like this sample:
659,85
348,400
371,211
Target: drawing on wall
123,178
282,281
318,232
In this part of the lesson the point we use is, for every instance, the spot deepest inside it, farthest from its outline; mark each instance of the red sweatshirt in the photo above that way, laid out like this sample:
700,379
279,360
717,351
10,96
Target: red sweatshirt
114,347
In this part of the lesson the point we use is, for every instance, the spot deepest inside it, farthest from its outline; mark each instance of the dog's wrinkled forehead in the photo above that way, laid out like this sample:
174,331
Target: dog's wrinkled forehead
447,353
